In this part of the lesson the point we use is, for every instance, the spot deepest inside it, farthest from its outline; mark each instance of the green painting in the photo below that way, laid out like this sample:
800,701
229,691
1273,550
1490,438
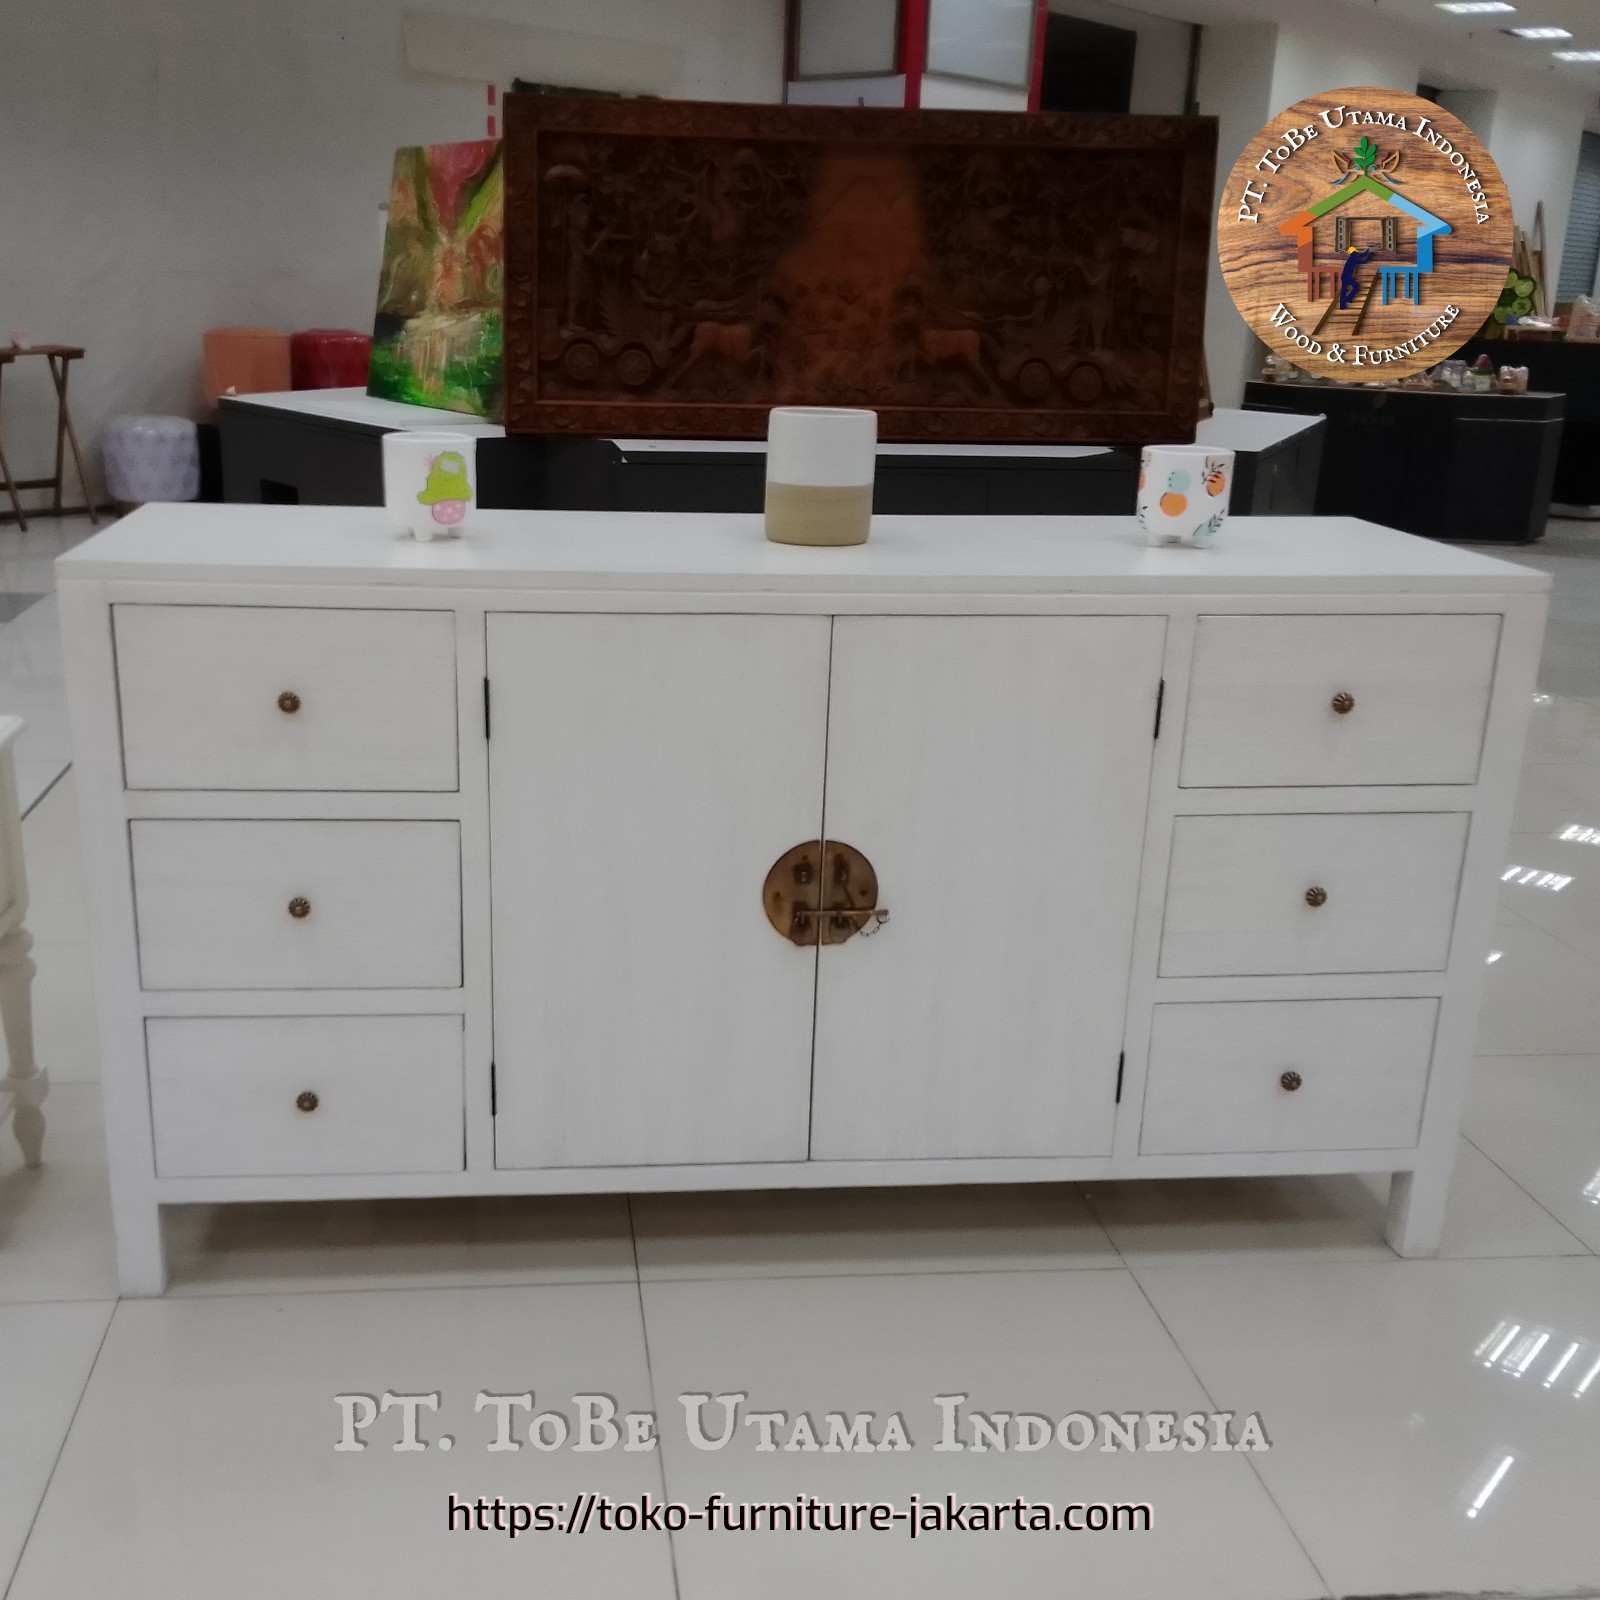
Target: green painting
436,340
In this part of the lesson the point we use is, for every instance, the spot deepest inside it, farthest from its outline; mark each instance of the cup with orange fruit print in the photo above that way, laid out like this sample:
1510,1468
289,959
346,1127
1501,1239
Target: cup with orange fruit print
1183,493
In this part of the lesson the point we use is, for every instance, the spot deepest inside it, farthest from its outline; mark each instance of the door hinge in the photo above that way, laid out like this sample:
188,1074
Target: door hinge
1161,694
494,1092
486,708
1122,1061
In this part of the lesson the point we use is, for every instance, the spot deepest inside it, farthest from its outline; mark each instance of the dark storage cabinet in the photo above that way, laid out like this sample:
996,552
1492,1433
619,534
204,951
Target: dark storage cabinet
1572,370
1448,465
326,449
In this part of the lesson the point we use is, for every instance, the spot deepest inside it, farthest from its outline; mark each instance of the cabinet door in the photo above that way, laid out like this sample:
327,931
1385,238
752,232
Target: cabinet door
995,771
645,773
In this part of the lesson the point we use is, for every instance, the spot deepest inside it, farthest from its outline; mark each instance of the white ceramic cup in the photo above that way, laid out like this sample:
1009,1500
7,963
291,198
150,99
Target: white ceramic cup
1183,493
821,461
430,481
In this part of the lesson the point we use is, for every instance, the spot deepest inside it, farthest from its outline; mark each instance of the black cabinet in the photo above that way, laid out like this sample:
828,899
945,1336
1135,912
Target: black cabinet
1448,465
1571,369
912,480
277,452
324,447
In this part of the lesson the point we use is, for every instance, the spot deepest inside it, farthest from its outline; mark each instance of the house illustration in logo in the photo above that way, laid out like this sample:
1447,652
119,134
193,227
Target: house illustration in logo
1397,234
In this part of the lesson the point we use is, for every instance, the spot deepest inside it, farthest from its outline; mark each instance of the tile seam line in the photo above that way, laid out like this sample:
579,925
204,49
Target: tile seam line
66,1433
655,1403
1087,1198
34,803
1516,1184
1566,944
60,1300
1272,1499
181,1296
855,1277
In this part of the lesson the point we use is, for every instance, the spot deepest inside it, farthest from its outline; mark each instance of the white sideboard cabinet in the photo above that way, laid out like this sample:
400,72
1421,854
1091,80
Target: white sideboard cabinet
601,852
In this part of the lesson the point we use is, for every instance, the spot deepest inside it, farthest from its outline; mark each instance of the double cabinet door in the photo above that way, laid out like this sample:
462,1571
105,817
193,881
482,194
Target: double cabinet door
647,771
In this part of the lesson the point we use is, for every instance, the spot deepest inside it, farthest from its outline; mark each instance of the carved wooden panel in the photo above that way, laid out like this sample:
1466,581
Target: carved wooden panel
675,268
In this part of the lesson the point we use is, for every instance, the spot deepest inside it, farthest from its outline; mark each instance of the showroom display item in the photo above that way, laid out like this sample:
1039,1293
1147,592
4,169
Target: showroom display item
374,844
821,461
436,338
151,458
1183,493
429,481
329,358
678,269
245,361
59,358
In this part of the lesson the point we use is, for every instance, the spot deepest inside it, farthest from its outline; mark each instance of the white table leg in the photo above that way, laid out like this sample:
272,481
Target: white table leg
28,1085
1416,1209
141,1252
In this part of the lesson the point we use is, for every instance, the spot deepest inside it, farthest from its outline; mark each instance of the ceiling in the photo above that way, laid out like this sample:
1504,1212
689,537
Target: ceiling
1468,45
1581,18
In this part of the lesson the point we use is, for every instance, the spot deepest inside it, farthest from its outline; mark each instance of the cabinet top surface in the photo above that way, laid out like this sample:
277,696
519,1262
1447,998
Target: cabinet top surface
601,550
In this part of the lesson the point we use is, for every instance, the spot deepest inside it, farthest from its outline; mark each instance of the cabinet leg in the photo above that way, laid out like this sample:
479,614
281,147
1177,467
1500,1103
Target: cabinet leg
1416,1209
141,1255
28,1085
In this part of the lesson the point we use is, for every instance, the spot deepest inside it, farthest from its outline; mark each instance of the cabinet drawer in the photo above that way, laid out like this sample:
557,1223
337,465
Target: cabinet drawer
1311,893
298,905
1286,1075
266,697
1266,693
290,1096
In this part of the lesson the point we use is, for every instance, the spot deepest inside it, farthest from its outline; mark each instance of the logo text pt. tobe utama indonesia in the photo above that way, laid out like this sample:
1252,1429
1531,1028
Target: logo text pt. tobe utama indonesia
1364,234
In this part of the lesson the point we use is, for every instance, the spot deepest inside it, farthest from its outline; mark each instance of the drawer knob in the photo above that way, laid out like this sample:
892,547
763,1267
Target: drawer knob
1314,896
1344,703
1291,1080
307,1101
289,702
301,907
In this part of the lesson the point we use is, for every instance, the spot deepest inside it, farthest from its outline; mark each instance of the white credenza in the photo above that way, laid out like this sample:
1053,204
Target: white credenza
475,867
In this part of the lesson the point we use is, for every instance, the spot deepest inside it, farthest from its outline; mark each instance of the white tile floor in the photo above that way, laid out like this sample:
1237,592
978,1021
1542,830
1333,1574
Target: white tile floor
1435,1425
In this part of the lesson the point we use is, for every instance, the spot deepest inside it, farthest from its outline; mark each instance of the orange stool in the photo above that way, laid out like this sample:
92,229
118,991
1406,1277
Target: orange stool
245,361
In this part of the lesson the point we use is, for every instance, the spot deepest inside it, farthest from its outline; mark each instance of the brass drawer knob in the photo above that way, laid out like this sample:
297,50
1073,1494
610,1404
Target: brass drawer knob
1291,1080
299,907
289,702
1316,896
1344,703
307,1101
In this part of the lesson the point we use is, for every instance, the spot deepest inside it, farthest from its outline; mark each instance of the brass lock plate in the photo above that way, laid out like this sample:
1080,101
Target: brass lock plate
821,892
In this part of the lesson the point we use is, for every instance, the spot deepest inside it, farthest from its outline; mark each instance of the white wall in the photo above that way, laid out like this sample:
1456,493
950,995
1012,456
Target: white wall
969,94
1235,87
173,166
1535,141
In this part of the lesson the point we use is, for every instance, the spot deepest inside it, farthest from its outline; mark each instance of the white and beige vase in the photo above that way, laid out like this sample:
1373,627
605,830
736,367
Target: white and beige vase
820,465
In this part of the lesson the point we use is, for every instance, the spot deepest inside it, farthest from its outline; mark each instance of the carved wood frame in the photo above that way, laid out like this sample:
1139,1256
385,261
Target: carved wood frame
528,117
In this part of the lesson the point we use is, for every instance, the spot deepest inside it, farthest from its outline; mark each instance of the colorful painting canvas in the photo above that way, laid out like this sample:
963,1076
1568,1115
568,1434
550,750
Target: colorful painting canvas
436,341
